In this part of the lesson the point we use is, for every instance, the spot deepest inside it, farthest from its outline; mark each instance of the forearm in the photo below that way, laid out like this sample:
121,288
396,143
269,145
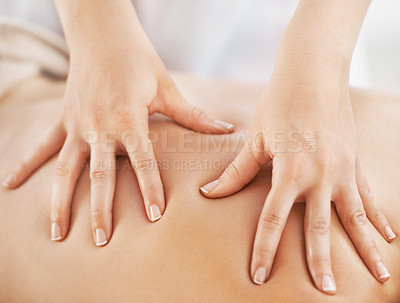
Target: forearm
319,40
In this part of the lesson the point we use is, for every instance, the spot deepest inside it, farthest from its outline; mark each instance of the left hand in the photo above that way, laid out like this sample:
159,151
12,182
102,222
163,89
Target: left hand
329,170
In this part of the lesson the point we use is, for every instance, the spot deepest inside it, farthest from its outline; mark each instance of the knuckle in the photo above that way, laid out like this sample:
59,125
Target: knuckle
379,214
292,172
99,212
372,250
358,218
197,114
150,190
232,171
348,160
320,261
270,222
319,225
143,162
96,121
99,175
263,252
125,121
295,178
325,167
62,169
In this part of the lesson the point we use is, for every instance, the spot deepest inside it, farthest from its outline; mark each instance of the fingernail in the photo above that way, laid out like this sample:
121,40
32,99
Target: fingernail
209,187
55,231
389,233
259,276
155,213
381,270
327,284
8,181
101,237
224,125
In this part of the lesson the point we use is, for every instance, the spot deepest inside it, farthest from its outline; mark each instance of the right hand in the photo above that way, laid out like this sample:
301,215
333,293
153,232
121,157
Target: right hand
110,93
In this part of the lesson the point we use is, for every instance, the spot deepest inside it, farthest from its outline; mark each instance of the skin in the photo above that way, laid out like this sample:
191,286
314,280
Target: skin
200,250
110,95
307,99
115,83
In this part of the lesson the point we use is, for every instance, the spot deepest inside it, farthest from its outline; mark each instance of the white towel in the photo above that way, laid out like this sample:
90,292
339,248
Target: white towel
27,49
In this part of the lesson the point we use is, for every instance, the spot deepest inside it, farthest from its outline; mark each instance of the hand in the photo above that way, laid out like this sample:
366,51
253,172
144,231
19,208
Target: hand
110,93
309,136
308,93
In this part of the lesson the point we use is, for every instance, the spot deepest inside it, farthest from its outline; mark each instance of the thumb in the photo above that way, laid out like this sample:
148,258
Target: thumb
189,116
238,174
194,118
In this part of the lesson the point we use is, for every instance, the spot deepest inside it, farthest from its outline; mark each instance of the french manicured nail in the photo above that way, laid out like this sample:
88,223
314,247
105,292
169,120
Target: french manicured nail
55,232
101,237
155,213
224,125
260,275
209,187
8,181
389,233
381,270
327,284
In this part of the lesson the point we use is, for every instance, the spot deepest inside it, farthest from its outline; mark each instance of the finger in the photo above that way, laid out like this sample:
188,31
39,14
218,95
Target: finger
50,143
102,175
192,117
317,237
239,172
269,230
68,169
371,206
141,155
352,215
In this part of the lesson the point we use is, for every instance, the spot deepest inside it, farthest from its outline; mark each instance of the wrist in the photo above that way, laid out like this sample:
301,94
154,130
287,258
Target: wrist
317,46
311,73
317,68
94,27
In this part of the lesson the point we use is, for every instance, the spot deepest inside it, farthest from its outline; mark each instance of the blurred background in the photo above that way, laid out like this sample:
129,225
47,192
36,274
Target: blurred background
376,60
239,38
